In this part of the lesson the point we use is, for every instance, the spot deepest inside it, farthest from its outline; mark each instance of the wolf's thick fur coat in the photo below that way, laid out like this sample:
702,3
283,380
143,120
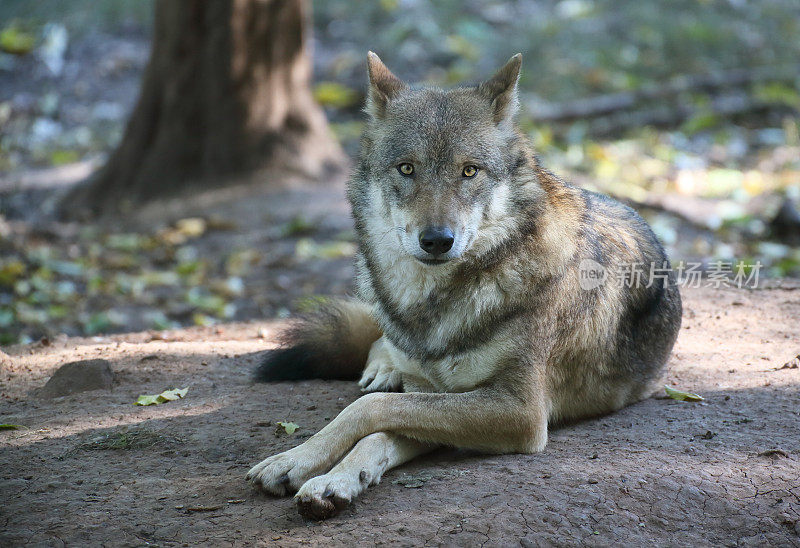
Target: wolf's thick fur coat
497,339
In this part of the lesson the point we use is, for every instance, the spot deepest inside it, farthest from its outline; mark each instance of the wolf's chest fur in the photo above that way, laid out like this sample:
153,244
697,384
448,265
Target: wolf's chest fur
458,373
443,334
429,313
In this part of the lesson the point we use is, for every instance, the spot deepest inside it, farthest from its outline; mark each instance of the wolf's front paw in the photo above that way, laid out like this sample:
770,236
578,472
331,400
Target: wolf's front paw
325,496
285,472
381,376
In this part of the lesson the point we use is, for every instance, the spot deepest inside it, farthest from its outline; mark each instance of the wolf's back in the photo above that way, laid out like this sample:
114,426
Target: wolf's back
333,343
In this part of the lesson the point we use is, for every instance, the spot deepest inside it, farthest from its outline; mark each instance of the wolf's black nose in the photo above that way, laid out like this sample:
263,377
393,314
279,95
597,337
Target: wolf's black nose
436,239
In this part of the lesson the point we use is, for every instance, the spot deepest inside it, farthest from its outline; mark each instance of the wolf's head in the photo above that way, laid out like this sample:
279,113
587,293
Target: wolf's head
437,164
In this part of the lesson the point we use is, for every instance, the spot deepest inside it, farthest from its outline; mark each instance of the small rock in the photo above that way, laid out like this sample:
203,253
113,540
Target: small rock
79,376
774,453
660,521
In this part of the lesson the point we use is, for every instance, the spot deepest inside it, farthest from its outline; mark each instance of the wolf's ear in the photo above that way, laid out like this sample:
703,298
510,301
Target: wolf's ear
383,85
501,89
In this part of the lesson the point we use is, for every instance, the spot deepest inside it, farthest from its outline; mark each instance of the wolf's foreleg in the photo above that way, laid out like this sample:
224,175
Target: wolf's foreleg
487,419
323,496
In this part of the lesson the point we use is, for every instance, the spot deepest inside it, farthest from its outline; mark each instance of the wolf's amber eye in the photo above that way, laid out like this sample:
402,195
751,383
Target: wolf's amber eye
405,169
470,171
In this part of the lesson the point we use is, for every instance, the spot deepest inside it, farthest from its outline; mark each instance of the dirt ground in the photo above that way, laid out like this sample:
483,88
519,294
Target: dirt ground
663,472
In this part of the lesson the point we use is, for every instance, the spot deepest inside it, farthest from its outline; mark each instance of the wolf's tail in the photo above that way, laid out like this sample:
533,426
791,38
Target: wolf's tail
333,343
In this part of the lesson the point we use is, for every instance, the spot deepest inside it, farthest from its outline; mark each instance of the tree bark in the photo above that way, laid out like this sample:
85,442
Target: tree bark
226,90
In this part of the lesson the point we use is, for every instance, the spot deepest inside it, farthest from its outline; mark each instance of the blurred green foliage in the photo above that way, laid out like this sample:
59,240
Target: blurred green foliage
730,173
571,48
15,39
81,16
333,94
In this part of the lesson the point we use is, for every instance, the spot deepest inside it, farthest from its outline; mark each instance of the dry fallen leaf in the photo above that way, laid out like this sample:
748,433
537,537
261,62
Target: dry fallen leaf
165,396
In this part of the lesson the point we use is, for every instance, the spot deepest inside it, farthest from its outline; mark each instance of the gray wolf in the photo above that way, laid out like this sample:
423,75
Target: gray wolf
470,315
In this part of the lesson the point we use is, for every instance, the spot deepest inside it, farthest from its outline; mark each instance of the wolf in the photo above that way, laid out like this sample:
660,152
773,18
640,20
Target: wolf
473,320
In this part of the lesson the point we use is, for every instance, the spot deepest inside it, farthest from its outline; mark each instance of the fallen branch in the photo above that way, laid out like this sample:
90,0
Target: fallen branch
666,115
602,105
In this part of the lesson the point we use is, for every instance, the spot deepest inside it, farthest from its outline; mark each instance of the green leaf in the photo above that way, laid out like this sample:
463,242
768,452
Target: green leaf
10,426
347,131
61,157
6,317
174,394
307,248
206,302
298,226
147,400
126,242
15,40
202,320
333,94
700,121
681,395
66,268
11,271
165,396
96,323
188,268
778,93
289,427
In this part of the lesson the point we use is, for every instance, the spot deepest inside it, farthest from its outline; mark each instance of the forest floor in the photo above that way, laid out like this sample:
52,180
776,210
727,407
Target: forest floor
94,469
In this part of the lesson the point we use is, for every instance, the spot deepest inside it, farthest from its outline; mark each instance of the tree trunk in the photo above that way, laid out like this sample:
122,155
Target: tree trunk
226,90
